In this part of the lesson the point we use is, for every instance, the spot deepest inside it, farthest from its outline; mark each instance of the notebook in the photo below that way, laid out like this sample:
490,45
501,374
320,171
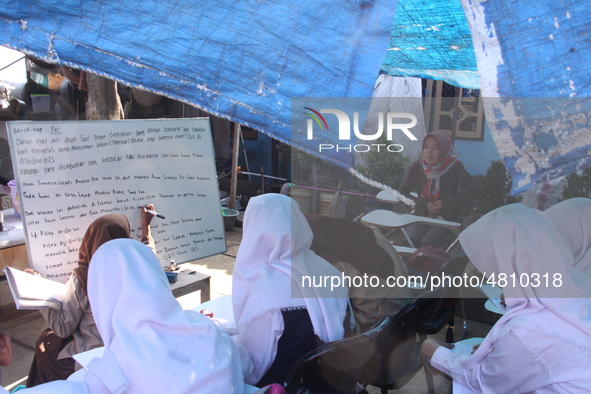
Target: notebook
34,292
464,347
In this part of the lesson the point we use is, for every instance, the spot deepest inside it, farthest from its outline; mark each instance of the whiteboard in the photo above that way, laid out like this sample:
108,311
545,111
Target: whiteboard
71,173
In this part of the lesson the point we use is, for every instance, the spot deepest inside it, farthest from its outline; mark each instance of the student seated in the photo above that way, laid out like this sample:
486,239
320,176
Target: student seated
542,344
278,318
151,344
357,251
573,219
443,186
72,330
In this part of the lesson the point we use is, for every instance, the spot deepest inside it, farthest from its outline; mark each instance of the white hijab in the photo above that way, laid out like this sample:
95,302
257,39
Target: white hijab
273,257
521,240
151,344
573,219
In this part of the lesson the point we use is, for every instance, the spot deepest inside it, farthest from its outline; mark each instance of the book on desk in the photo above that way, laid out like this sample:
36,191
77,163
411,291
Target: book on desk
34,292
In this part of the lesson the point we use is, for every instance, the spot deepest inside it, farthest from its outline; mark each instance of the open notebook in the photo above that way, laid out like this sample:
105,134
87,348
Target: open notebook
34,292
464,347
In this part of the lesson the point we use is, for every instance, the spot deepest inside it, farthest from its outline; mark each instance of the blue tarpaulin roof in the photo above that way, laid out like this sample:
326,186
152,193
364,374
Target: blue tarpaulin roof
241,60
431,39
246,60
535,55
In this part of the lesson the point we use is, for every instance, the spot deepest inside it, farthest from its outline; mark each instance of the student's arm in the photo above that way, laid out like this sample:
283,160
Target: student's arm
510,367
5,349
408,185
263,353
65,321
469,189
146,230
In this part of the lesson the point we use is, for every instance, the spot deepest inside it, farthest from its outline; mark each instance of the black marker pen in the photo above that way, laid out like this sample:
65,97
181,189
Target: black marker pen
154,213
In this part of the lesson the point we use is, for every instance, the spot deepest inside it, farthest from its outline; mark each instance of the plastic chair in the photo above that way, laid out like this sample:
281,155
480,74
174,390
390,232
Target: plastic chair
335,367
398,358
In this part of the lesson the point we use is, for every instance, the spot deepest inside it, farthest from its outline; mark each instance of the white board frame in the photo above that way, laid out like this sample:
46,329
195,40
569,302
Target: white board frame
69,173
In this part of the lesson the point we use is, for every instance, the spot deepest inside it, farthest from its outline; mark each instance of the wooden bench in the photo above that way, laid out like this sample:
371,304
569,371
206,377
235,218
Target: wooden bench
189,281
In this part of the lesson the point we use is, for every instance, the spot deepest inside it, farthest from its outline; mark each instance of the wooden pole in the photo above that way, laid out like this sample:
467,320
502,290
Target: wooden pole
234,175
244,153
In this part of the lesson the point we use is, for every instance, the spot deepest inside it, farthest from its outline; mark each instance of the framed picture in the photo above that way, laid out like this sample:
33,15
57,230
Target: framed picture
459,112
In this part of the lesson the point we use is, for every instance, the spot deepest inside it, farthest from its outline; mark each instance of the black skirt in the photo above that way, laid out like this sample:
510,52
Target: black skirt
45,366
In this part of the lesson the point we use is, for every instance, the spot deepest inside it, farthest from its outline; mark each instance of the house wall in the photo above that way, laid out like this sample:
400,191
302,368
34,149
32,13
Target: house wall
477,155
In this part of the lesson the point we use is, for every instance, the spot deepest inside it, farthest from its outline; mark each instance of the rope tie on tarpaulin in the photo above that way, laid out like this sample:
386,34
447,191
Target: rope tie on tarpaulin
373,183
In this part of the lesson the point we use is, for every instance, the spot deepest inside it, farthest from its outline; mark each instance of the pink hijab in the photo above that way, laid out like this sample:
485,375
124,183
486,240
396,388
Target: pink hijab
573,219
521,240
272,260
151,344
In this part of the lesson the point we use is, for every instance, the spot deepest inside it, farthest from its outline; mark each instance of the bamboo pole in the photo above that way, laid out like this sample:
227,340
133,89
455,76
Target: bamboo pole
234,174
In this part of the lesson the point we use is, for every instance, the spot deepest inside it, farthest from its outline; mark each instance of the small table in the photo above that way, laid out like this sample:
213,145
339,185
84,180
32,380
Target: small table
189,281
388,219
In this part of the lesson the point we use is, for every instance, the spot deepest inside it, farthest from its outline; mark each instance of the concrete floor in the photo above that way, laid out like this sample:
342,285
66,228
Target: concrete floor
25,329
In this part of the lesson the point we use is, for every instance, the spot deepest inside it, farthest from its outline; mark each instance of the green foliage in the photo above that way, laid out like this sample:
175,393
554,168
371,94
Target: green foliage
385,167
388,168
496,185
577,185
301,163
327,174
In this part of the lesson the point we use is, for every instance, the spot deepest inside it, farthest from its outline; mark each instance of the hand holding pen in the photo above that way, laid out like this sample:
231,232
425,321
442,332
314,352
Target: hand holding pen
146,215
151,211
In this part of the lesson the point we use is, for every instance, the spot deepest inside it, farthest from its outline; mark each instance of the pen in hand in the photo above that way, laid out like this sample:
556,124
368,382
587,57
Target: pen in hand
154,213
